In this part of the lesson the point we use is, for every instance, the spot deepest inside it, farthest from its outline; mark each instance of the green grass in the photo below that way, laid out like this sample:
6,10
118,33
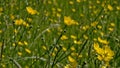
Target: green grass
46,29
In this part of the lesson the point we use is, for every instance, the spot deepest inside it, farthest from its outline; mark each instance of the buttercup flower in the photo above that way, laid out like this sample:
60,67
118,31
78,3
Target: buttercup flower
31,11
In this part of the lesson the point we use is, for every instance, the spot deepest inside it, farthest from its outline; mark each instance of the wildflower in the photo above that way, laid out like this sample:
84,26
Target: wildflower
98,2
59,10
85,27
73,10
94,23
78,1
102,41
99,27
72,48
3,65
20,43
48,30
27,50
25,24
64,37
13,44
44,47
20,53
0,31
19,22
110,7
55,49
101,33
95,39
77,42
112,24
104,54
71,2
58,15
72,61
0,44
1,9
49,2
81,15
73,37
26,43
118,7
12,16
53,54
85,37
67,66
64,49
110,29
95,31
69,21
31,11
15,31
29,19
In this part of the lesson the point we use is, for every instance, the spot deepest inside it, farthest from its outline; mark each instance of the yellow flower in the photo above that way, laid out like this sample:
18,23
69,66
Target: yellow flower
118,7
108,52
59,10
112,24
85,27
73,37
15,31
98,49
77,42
1,31
105,53
78,1
64,37
71,2
13,44
1,44
12,16
26,43
20,53
67,66
68,21
20,43
1,9
99,27
31,11
73,10
44,47
94,23
102,41
110,29
110,7
64,49
27,50
85,37
72,48
71,59
19,22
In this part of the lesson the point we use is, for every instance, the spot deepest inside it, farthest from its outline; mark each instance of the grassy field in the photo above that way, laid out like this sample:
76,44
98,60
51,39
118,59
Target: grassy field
59,34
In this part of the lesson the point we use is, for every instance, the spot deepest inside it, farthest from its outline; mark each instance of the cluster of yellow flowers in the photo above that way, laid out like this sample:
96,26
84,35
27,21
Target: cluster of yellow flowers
21,22
104,54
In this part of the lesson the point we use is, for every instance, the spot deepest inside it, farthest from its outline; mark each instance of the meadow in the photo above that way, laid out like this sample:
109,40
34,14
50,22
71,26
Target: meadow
59,34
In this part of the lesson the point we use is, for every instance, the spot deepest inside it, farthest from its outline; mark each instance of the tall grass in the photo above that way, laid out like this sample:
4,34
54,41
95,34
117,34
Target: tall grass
46,35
